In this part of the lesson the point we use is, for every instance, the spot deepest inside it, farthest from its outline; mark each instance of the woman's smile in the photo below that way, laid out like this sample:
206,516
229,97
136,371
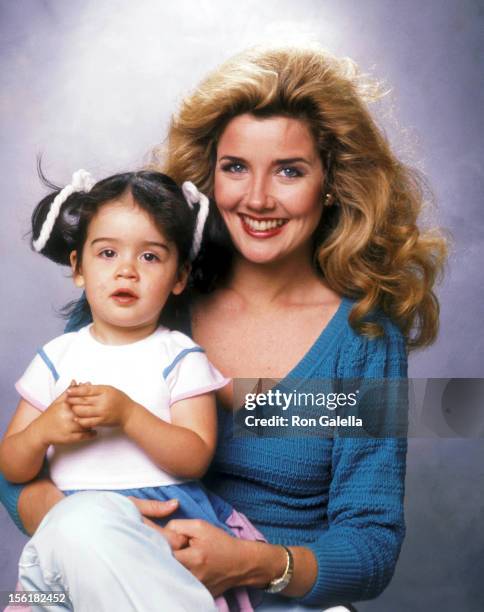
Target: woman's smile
262,227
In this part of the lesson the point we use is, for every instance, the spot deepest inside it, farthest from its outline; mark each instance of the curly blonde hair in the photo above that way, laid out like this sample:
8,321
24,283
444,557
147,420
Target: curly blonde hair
370,247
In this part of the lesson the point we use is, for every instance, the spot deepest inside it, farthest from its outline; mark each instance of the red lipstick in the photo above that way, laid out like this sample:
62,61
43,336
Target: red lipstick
257,227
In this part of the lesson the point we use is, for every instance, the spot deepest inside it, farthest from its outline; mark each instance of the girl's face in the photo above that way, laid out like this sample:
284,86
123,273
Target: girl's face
268,186
128,270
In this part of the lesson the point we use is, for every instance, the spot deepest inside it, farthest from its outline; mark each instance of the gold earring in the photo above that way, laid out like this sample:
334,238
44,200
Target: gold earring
328,199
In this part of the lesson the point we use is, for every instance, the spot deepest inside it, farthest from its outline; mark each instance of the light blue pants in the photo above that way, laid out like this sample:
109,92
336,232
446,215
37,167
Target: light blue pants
95,546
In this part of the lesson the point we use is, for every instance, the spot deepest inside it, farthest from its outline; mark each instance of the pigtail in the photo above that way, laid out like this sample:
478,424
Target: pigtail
56,219
63,236
214,262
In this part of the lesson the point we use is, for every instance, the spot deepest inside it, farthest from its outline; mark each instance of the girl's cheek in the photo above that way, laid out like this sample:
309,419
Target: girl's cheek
100,286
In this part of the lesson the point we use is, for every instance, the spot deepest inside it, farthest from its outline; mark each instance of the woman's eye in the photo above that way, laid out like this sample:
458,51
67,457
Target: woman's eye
107,253
290,172
150,257
234,167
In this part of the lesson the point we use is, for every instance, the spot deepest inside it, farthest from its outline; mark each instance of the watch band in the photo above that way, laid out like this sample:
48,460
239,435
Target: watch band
279,584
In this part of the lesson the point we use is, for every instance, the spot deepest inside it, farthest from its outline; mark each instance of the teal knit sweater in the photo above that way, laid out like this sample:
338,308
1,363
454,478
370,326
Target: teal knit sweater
340,497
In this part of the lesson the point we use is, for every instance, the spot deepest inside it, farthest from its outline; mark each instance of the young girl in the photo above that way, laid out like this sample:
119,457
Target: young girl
123,404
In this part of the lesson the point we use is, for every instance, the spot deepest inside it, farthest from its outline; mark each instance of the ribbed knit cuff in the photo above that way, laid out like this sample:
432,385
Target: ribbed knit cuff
9,494
339,578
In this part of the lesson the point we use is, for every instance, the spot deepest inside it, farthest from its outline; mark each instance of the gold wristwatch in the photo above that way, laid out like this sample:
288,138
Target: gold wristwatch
279,584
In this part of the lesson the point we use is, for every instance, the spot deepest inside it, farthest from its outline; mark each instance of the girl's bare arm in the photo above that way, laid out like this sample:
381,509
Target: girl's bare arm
183,447
31,432
22,451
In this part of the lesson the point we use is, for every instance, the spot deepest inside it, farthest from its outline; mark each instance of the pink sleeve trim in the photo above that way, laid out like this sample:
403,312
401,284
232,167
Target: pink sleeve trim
200,391
29,398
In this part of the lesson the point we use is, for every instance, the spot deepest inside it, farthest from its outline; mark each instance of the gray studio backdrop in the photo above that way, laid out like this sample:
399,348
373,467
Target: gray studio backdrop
91,84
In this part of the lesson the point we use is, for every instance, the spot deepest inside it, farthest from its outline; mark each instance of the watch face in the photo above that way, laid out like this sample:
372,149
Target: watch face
279,584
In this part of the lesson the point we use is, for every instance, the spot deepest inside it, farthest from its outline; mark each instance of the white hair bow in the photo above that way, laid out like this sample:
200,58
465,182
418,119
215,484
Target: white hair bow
193,196
81,181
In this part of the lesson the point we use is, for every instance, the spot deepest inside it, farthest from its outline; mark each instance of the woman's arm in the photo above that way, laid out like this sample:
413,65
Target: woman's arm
353,559
357,554
221,561
28,504
183,447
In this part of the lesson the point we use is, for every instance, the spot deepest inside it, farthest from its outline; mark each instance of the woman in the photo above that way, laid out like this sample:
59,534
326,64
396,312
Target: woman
315,268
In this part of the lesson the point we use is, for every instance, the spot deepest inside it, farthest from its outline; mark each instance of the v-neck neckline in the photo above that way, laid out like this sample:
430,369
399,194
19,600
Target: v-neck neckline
324,343
321,347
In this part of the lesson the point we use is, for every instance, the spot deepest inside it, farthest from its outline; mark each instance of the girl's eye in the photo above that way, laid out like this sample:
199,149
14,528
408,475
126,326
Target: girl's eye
290,172
150,257
107,253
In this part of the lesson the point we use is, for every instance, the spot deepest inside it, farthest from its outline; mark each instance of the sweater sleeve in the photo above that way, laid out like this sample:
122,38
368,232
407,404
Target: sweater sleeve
357,554
9,494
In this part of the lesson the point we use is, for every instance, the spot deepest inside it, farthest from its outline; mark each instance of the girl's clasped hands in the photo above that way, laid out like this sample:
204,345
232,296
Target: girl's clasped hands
72,417
95,405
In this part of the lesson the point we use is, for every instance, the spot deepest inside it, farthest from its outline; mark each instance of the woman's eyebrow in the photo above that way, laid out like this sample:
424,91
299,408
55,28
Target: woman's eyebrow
231,158
291,160
276,162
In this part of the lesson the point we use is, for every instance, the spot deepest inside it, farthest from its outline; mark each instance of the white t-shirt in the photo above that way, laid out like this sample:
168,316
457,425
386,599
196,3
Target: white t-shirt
155,372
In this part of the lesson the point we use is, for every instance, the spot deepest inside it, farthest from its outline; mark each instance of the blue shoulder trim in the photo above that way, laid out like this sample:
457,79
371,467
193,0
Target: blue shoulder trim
42,354
168,369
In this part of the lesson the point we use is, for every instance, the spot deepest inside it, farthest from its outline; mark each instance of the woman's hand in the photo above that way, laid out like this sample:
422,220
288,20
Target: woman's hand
214,557
222,562
95,405
159,509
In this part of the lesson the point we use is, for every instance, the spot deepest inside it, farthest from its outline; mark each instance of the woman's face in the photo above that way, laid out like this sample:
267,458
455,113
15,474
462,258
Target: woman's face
268,186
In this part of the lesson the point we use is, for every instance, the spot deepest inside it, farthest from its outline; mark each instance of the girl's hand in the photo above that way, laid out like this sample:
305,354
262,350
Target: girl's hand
95,405
58,425
212,556
160,509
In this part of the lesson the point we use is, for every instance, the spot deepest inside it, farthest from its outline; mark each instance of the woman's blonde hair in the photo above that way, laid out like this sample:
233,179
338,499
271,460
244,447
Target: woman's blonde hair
370,247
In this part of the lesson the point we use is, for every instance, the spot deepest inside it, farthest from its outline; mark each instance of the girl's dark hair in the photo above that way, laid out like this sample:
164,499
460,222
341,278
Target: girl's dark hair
213,265
153,192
